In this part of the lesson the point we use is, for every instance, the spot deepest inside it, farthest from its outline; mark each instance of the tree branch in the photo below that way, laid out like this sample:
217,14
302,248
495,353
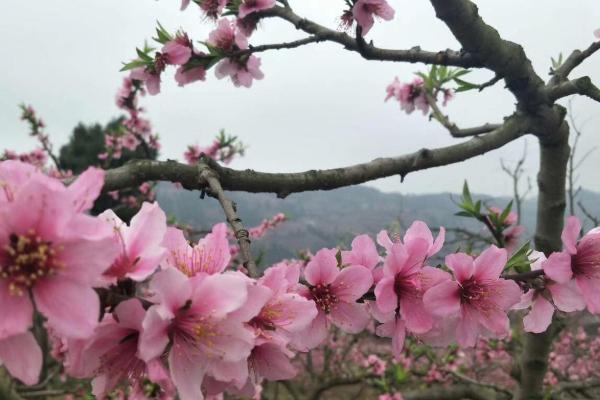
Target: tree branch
277,46
135,173
454,130
241,233
572,62
582,86
370,52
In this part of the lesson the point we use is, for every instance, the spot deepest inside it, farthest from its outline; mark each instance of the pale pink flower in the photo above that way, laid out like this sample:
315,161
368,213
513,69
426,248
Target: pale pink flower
250,6
111,356
240,74
363,253
184,4
51,249
209,256
335,292
478,295
178,51
184,75
151,79
565,297
400,290
195,317
213,8
21,356
364,12
418,230
140,243
578,261
130,142
227,37
597,33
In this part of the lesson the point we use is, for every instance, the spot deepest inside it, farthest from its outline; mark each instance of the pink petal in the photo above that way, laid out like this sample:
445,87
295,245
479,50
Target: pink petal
490,263
443,299
558,267
570,234
72,309
352,282
439,242
461,264
22,357
130,314
467,330
385,293
567,297
363,252
414,314
419,230
397,260
16,312
430,277
589,289
147,229
494,320
296,312
322,268
218,295
172,288
383,239
349,317
155,336
187,371
526,300
272,363
313,336
506,293
86,188
540,317
80,266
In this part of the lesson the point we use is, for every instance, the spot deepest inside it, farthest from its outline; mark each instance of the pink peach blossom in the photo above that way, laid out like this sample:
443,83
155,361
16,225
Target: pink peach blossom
184,75
209,256
177,51
50,248
363,253
227,37
241,74
335,293
22,357
250,6
364,12
195,317
140,243
578,261
478,295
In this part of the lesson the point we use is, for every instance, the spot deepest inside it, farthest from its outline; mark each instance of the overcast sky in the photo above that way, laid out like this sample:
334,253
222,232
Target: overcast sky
318,107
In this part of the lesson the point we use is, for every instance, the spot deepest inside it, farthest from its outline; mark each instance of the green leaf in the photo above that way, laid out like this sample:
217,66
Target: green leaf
520,259
466,194
506,211
463,86
143,55
133,64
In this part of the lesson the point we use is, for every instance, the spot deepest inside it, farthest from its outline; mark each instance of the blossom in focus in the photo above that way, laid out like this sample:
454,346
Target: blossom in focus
335,293
209,256
51,249
227,37
364,12
185,75
193,323
177,51
363,253
478,295
140,243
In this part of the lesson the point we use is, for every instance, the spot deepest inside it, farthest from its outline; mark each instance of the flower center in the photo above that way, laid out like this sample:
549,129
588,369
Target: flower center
211,8
472,292
28,258
324,298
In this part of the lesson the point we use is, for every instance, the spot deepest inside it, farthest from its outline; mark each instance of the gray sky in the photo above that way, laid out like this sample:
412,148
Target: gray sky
318,107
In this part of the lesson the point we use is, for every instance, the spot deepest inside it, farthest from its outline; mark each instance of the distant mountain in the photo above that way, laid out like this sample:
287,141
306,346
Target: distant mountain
330,218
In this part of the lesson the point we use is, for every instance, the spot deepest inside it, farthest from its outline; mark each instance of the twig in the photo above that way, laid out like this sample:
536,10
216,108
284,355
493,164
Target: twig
454,130
467,379
241,233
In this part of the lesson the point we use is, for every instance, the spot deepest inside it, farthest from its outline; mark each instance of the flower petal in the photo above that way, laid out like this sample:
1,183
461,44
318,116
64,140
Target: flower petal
352,282
22,357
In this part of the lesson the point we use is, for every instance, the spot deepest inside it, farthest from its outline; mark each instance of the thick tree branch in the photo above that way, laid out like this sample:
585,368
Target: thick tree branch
137,172
505,58
583,86
368,51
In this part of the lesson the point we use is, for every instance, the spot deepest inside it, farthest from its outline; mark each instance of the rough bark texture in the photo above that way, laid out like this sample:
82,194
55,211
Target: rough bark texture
554,155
